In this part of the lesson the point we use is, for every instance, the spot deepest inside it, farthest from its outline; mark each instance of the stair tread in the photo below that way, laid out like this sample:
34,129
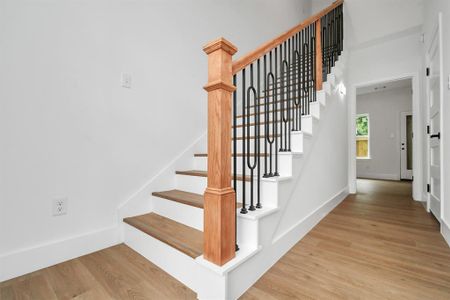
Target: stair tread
179,236
200,173
183,197
237,154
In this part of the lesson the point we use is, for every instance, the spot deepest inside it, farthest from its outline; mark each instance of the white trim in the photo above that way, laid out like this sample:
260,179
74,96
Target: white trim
306,224
379,176
31,259
418,133
242,279
445,231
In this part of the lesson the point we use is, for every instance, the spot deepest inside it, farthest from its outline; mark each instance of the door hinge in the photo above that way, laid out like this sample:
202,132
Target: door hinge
428,129
428,72
428,188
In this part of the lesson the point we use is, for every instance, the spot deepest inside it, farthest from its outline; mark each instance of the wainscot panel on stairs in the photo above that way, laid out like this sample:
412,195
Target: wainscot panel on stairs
272,165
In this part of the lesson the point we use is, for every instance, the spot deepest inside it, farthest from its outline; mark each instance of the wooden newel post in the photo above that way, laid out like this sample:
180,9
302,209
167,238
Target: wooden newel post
319,63
219,198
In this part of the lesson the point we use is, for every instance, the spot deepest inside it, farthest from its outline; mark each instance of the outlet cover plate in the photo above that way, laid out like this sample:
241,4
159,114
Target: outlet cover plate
59,206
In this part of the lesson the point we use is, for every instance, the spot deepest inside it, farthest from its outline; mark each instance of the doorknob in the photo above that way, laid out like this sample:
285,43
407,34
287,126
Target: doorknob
438,135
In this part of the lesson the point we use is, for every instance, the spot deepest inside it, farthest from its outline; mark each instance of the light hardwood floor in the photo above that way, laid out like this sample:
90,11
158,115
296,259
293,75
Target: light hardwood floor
379,244
114,273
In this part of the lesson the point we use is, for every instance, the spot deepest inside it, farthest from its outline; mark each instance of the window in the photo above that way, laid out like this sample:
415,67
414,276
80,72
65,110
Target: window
362,137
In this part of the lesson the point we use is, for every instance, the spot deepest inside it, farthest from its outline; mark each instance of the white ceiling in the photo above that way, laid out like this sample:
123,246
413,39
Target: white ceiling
385,86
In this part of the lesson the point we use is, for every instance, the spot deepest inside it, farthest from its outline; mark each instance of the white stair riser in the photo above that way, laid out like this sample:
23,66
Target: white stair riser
327,88
284,168
247,232
306,122
331,79
321,97
182,213
177,264
196,184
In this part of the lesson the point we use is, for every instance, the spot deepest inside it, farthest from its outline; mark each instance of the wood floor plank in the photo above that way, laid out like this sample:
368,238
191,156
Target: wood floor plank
378,244
113,273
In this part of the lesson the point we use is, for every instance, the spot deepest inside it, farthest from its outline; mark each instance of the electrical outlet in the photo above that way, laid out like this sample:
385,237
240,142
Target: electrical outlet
125,80
60,206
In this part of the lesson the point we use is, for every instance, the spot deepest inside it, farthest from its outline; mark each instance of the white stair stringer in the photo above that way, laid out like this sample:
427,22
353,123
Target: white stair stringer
264,235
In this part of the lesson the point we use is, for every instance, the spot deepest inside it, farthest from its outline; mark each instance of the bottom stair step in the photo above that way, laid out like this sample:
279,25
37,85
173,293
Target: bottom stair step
181,237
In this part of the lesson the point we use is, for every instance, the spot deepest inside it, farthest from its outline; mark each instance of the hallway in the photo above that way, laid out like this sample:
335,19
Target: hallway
378,244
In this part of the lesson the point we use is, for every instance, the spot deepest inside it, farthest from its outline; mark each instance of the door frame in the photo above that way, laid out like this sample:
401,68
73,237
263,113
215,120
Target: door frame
418,132
403,134
437,30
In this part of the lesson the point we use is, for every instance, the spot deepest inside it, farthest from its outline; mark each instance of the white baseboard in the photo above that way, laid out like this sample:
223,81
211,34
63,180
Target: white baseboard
378,176
28,260
240,281
445,231
305,225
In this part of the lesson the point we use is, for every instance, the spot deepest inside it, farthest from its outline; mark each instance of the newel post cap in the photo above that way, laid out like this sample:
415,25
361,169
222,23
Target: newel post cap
220,43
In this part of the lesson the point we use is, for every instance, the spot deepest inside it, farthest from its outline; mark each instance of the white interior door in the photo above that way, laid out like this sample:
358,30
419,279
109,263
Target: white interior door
406,147
434,101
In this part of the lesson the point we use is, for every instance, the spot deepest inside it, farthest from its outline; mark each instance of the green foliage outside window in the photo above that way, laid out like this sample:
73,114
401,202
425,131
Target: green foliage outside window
362,125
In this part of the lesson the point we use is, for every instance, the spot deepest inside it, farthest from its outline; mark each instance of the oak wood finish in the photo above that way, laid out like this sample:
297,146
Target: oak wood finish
199,173
378,244
113,273
319,57
183,197
219,198
181,237
247,59
237,154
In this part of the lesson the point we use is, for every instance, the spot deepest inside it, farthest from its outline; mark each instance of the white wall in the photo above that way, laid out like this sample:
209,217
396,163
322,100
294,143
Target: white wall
67,127
384,110
392,52
431,10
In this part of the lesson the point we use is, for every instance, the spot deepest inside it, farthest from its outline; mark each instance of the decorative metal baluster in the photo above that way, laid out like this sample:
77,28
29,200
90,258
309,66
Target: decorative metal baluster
235,135
312,44
324,47
258,124
274,112
266,121
269,136
313,62
243,209
303,58
252,164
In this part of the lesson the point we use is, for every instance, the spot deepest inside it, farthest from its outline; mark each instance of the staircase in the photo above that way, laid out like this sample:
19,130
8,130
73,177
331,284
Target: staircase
265,113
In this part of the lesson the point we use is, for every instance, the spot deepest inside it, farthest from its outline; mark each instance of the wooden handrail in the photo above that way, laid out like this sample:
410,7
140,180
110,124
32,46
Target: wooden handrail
244,61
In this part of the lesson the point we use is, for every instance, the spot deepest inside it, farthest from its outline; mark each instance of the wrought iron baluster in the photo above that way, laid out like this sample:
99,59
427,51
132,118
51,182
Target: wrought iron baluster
243,209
